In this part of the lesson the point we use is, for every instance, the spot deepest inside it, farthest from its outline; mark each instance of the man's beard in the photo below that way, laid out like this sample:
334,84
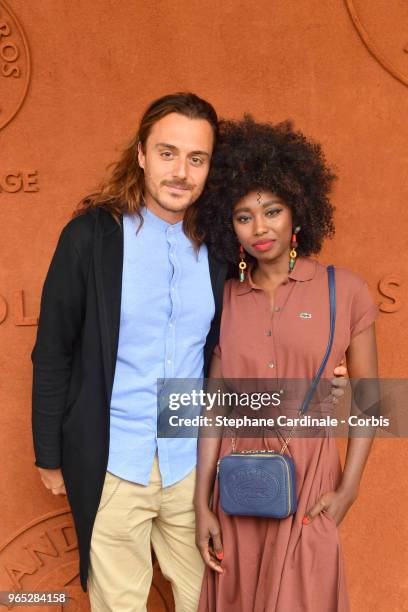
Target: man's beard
172,203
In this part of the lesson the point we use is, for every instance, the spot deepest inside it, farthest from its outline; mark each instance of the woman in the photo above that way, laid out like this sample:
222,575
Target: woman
268,194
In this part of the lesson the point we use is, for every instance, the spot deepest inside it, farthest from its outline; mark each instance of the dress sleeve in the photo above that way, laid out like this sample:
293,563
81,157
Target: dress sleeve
363,311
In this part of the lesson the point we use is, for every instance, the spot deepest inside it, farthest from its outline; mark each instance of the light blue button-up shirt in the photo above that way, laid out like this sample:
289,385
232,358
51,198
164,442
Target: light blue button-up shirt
166,312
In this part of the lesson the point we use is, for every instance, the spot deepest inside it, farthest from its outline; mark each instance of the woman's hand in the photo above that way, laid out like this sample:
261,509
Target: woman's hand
208,527
335,503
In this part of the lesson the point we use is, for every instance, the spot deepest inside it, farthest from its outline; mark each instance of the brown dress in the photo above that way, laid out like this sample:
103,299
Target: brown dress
282,565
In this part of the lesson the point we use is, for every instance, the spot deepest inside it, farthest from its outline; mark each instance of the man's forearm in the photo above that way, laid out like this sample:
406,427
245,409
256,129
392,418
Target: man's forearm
50,388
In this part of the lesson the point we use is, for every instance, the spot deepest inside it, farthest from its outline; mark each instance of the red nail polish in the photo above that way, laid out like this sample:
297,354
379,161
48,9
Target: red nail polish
306,520
220,555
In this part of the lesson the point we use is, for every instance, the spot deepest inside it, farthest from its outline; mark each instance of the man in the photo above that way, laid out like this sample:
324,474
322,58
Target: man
131,296
127,302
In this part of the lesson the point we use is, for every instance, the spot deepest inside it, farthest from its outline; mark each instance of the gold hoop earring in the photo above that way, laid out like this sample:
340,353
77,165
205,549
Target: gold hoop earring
242,264
293,252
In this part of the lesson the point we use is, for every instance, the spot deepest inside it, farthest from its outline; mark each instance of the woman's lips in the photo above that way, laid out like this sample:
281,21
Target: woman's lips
264,246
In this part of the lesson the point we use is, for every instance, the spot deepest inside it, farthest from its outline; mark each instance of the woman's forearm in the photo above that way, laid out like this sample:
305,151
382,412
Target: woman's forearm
358,450
363,369
209,445
208,452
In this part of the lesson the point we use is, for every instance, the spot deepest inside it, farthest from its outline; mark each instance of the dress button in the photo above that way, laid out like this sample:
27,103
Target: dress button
269,332
271,365
277,309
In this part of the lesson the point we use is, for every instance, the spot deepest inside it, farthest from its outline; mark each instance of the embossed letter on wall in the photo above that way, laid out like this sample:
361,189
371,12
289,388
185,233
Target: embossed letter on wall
43,556
12,182
389,286
14,65
21,319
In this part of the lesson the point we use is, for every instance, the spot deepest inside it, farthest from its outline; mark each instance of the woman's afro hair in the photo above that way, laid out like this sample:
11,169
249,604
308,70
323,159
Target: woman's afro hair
251,156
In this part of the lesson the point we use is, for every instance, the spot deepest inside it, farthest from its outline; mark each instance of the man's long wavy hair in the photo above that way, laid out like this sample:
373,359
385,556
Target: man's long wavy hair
122,190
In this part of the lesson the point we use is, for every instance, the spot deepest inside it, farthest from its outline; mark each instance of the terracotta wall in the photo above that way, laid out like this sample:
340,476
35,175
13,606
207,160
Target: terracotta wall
87,70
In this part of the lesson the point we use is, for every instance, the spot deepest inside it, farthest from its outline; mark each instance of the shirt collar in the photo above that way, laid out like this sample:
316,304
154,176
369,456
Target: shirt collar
304,270
156,222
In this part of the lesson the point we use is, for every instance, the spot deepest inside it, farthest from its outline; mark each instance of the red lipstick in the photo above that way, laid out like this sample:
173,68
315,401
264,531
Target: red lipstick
263,245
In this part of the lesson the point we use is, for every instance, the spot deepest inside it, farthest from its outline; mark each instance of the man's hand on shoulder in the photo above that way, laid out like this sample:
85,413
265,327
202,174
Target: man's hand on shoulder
53,480
339,382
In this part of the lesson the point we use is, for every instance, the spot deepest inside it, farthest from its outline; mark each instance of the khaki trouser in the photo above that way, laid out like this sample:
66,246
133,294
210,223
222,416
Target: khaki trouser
130,518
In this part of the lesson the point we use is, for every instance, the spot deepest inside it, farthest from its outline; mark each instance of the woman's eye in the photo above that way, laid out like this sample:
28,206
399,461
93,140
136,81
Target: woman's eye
273,212
242,219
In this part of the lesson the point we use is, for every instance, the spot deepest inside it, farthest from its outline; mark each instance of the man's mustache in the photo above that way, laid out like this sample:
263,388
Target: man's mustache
179,184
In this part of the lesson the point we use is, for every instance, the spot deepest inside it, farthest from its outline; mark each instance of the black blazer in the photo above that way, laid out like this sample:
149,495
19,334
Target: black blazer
74,360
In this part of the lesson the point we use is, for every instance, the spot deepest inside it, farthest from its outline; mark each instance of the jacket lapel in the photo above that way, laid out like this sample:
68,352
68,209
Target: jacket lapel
108,265
218,272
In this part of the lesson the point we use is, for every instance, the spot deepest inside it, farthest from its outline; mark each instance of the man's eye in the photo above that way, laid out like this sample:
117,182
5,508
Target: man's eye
197,161
166,154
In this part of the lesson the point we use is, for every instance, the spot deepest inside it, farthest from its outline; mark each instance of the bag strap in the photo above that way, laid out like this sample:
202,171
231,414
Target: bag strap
316,380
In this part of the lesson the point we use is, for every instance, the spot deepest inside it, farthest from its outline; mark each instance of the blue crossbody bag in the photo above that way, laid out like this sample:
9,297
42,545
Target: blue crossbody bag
263,482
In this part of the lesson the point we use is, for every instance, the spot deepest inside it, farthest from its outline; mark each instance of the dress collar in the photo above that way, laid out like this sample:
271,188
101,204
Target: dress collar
304,270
